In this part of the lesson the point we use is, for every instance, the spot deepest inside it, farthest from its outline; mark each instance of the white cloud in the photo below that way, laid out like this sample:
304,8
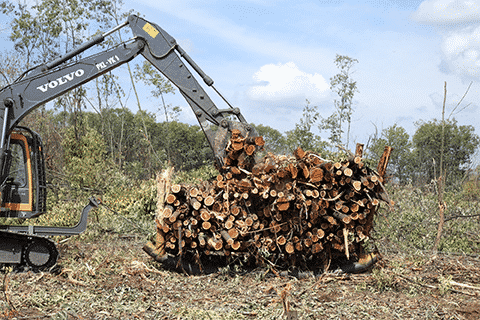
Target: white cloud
448,11
285,82
460,28
461,50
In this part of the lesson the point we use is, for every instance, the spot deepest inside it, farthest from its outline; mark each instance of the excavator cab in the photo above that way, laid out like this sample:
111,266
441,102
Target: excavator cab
24,187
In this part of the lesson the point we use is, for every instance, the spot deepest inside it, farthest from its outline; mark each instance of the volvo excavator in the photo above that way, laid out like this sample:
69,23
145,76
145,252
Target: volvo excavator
22,166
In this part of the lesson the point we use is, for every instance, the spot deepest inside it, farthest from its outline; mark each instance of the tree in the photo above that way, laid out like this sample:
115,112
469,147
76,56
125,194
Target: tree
85,161
118,129
345,87
49,125
50,28
23,28
459,146
401,158
186,145
11,66
47,30
302,136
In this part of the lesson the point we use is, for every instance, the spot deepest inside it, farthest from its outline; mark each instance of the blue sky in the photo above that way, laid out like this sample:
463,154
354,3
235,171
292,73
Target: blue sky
267,57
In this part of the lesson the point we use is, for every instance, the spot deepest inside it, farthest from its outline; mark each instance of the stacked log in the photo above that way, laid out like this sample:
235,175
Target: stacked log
285,210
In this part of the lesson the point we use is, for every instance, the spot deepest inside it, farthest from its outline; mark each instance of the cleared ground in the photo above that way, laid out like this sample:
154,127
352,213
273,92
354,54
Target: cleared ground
112,278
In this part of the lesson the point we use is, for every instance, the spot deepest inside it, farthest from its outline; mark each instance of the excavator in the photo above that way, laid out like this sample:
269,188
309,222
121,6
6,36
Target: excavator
23,185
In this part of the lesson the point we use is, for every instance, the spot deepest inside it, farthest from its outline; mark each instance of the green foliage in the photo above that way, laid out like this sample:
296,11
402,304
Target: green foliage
49,28
445,284
332,124
302,136
110,13
151,77
400,164
471,187
122,145
471,190
63,213
417,160
383,280
345,87
23,26
126,145
11,66
136,201
140,156
128,203
275,141
85,161
412,225
195,176
184,145
460,145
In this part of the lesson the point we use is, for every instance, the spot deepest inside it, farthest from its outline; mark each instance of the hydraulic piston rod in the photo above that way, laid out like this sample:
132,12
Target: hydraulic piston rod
96,40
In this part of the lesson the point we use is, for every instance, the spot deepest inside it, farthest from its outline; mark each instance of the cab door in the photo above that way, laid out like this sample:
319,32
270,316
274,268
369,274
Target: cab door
24,190
17,194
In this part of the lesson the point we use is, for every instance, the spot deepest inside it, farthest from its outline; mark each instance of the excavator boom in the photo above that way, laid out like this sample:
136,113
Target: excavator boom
25,245
48,81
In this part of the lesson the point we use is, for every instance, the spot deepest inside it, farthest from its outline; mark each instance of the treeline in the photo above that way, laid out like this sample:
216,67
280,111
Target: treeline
117,140
436,149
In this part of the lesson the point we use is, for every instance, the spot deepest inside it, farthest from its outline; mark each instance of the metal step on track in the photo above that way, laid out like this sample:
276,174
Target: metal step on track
28,247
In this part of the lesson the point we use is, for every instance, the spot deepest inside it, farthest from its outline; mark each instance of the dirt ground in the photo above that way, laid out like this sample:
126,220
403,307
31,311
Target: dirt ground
114,279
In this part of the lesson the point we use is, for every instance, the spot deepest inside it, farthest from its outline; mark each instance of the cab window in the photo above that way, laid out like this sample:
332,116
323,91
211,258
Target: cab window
18,171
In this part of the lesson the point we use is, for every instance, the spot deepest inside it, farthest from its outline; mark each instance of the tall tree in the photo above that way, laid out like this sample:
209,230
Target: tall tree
22,34
11,66
345,87
85,161
186,145
47,30
460,144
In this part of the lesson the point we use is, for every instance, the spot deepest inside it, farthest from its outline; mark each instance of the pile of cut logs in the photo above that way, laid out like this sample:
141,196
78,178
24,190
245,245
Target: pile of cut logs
283,210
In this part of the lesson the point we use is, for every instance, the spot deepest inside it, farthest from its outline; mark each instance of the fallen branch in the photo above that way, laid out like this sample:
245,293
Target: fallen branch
455,217
454,283
451,282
